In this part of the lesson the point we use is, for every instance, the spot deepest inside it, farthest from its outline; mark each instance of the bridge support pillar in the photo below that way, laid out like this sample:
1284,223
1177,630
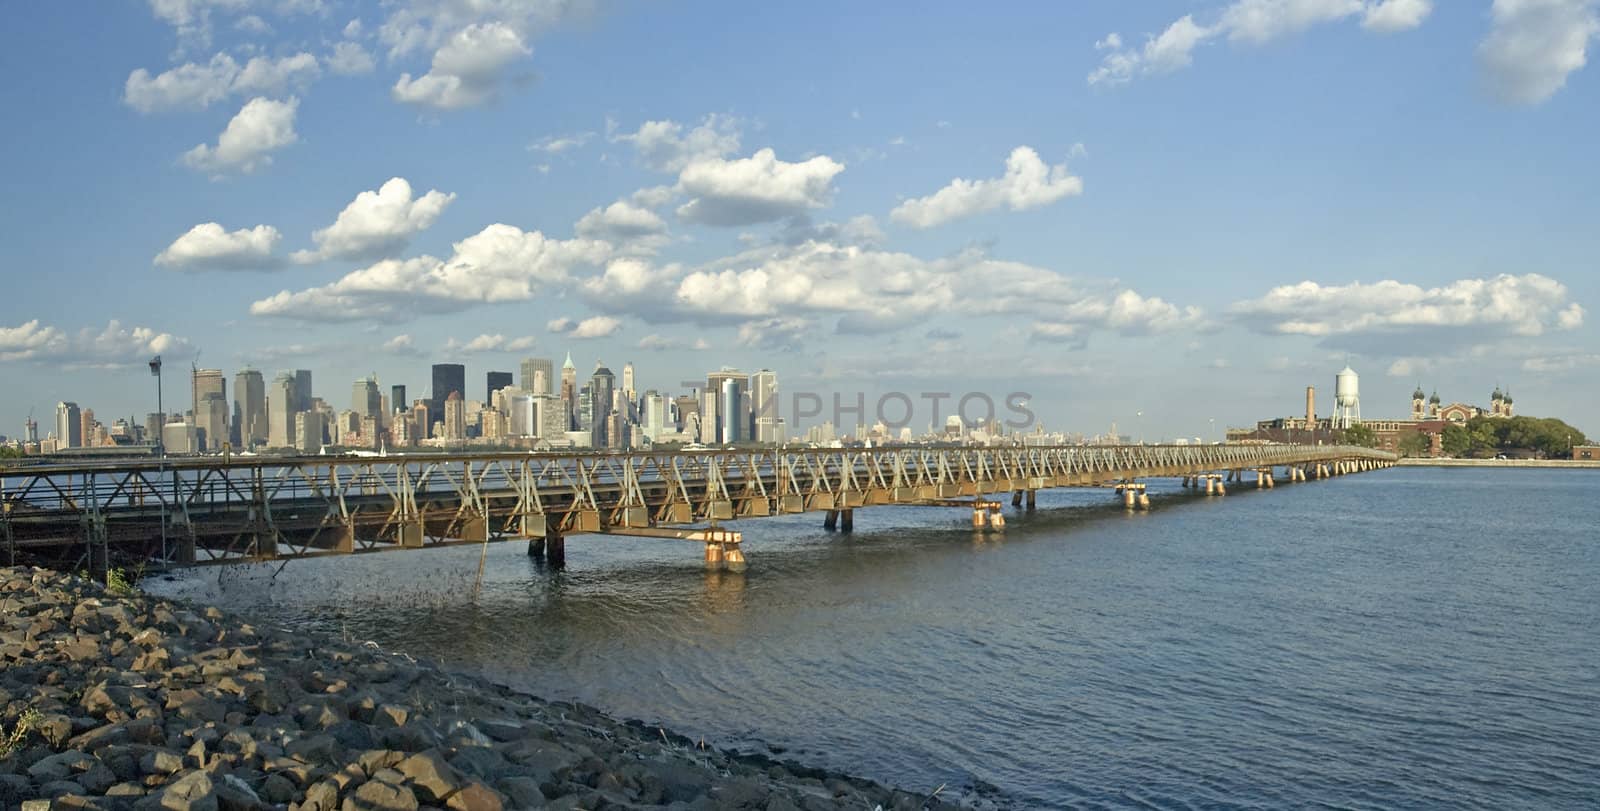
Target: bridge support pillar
536,548
1033,500
1144,499
1016,498
1127,497
980,518
847,520
997,519
555,550
830,521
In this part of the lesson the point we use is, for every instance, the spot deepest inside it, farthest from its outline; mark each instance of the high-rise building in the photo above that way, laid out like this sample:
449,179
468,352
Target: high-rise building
447,378
365,400
30,430
764,406
69,425
309,428
730,388
497,381
710,416
302,390
538,375
522,414
601,385
455,417
654,418
212,420
628,391
201,383
86,428
250,399
421,420
397,398
569,390
281,411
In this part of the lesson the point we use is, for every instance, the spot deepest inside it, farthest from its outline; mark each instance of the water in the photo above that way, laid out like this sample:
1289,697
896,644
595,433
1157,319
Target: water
1404,638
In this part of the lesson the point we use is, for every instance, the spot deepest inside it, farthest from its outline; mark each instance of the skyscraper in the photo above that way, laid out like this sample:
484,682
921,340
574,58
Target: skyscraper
628,391
601,385
250,395
281,411
447,378
302,390
212,419
729,388
496,382
203,382
764,405
397,398
364,398
569,389
538,376
69,425
455,417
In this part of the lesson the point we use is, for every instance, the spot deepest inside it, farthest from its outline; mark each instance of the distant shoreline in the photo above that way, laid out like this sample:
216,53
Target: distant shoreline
1567,463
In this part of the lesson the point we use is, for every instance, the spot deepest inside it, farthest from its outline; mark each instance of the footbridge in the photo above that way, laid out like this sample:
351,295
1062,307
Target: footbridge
192,511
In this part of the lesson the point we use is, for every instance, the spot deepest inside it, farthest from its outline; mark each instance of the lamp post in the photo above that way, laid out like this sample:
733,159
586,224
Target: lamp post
161,451
1211,435
1139,420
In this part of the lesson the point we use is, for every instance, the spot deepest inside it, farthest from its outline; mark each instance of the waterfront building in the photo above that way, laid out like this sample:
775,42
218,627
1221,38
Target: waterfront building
496,382
280,411
250,406
447,378
69,425
309,427
732,418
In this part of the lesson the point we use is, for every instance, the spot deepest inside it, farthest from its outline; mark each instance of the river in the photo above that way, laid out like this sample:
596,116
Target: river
1412,637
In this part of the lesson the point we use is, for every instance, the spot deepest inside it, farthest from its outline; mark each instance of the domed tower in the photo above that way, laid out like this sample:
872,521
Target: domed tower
1505,403
1497,403
1416,403
1433,406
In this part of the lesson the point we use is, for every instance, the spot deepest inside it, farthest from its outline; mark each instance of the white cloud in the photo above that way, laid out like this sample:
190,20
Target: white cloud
599,326
1027,183
194,86
251,24
1560,363
632,228
1534,45
661,343
665,147
1525,305
191,19
759,188
402,344
556,144
499,264
208,246
491,343
1246,21
466,70
350,59
782,334
273,77
377,223
261,127
115,345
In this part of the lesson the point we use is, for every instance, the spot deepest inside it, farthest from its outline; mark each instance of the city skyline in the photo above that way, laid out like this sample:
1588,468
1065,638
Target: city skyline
1186,211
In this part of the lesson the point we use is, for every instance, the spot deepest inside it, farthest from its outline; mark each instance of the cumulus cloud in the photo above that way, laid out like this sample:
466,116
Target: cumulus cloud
491,343
402,344
209,246
1126,312
1534,45
191,19
467,69
1027,183
760,188
113,346
1246,21
666,146
633,228
661,343
196,86
377,223
350,59
1468,309
781,334
261,127
599,326
501,263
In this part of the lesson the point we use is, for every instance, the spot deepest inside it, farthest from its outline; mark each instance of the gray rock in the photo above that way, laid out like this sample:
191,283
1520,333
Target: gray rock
522,791
56,788
380,796
161,761
313,749
277,789
435,780
390,715
192,792
476,796
323,796
60,767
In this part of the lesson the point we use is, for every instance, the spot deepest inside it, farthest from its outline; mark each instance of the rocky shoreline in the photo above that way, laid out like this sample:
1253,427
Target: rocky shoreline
123,701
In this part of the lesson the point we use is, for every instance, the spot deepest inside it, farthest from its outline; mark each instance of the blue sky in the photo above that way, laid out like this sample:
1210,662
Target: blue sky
1194,218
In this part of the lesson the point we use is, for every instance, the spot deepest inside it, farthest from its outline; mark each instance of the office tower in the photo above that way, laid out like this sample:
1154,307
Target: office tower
397,398
281,411
497,381
552,420
347,428
569,390
628,391
309,427
685,406
250,401
522,415
30,430
302,390
447,378
538,376
764,405
421,420
212,420
86,426
730,389
201,383
365,400
710,413
69,425
654,418
601,385
455,417
180,437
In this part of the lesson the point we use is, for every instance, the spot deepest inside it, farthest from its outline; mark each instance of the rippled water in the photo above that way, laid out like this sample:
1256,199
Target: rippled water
1404,638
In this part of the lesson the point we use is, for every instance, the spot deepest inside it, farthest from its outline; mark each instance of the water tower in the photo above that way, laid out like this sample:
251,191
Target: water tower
1346,398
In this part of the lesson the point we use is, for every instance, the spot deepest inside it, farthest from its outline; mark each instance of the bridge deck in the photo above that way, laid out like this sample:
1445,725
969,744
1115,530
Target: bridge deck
209,509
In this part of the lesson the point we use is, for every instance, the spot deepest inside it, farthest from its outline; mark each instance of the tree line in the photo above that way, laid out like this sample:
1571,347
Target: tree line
1482,437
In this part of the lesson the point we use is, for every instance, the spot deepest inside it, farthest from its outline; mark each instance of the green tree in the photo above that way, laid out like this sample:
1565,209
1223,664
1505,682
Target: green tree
1456,440
1415,443
1360,435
